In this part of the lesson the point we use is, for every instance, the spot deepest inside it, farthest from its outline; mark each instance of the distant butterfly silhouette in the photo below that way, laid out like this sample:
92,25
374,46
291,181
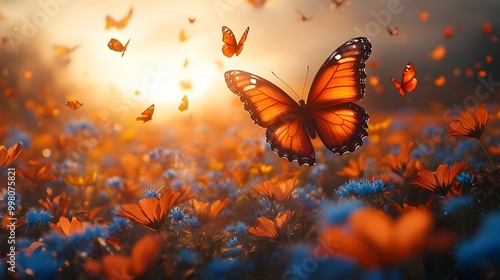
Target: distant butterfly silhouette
110,22
74,104
191,20
147,114
302,17
117,46
184,105
393,31
329,112
408,82
230,46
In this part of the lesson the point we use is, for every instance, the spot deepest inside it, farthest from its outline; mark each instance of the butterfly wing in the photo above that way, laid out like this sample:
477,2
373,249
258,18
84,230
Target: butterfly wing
409,81
243,38
341,124
229,47
124,21
342,127
147,114
398,86
269,106
184,104
342,76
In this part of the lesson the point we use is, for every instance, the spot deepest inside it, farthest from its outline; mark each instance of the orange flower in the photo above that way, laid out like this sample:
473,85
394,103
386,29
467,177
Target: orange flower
57,207
470,125
374,240
65,228
354,169
440,181
401,164
276,192
151,212
143,255
7,157
38,173
270,229
206,212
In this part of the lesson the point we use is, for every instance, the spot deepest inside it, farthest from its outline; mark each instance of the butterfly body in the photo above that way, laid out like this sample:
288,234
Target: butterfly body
328,111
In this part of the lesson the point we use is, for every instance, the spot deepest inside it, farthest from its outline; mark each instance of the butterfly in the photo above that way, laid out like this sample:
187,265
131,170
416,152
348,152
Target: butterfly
393,31
110,22
302,17
182,35
184,105
408,81
147,114
338,3
191,20
186,85
328,113
230,47
74,104
117,46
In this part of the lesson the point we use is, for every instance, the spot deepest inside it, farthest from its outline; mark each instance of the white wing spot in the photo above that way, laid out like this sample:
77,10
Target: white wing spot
253,81
338,57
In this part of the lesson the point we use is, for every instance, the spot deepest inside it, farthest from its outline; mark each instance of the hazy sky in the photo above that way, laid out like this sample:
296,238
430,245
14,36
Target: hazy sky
278,41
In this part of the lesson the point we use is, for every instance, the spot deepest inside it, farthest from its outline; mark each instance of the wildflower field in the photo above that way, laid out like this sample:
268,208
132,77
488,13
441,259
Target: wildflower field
136,159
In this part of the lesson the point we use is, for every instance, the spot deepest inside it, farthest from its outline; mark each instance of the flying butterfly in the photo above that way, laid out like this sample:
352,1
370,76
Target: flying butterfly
393,31
147,114
184,105
74,104
302,17
408,81
117,46
191,20
328,113
230,46
110,22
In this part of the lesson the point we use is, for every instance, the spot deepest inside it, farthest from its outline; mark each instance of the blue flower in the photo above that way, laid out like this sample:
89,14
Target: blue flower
465,178
484,247
164,155
170,174
36,217
457,203
307,196
74,126
193,222
233,241
42,264
115,182
17,135
117,224
188,256
337,213
317,170
223,269
151,192
239,227
360,188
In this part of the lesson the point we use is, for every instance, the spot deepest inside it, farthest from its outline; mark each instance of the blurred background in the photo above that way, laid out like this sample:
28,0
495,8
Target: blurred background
55,51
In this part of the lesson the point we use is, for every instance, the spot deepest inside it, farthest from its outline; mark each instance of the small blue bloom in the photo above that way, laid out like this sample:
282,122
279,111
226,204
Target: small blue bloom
457,203
307,196
151,192
117,224
337,213
170,174
360,188
233,241
193,222
74,126
41,263
239,227
164,155
224,269
317,170
35,217
16,135
188,256
115,182
465,178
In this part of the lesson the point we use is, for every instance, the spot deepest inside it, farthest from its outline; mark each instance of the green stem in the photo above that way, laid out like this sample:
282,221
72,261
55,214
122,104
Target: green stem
489,158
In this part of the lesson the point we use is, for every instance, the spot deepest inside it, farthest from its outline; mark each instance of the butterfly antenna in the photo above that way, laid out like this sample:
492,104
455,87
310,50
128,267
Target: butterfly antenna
305,80
286,84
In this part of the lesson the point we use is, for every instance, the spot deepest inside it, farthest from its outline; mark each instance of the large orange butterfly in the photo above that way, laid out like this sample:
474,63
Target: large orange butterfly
408,82
329,111
147,114
230,47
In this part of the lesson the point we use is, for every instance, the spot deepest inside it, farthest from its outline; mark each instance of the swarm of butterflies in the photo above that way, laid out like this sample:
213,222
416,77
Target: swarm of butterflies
329,111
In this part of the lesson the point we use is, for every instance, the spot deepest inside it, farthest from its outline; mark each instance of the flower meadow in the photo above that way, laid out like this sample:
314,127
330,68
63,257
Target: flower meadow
113,193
